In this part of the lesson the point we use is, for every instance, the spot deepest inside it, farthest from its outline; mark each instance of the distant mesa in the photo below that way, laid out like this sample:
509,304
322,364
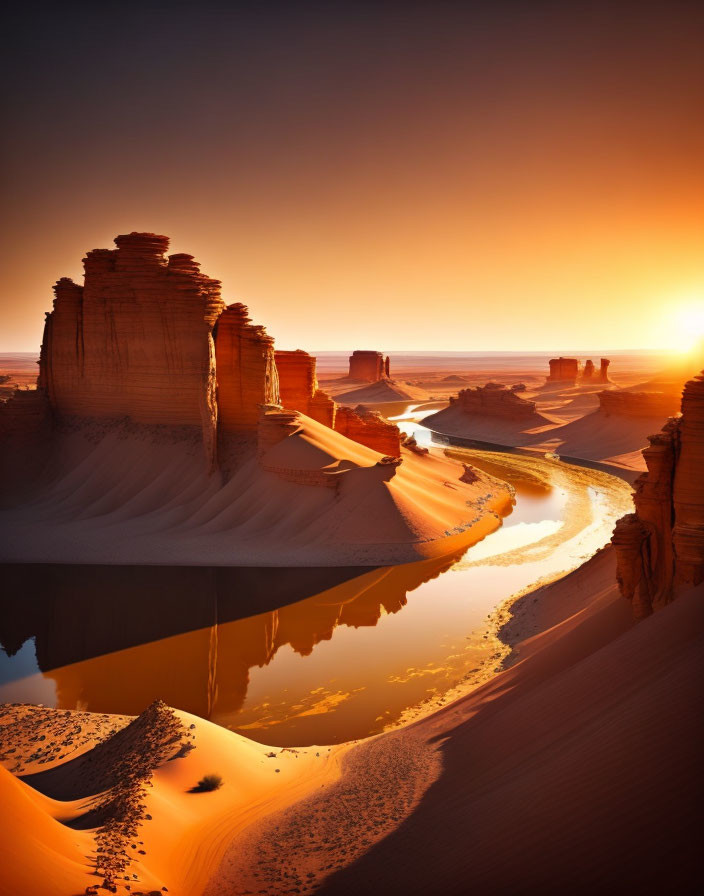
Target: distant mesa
567,371
369,367
144,370
495,400
491,413
563,370
660,547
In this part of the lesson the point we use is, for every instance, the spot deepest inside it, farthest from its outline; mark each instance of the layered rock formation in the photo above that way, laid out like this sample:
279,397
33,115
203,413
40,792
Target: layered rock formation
623,403
136,339
604,370
660,547
588,372
25,426
246,370
369,428
563,370
370,367
298,387
494,400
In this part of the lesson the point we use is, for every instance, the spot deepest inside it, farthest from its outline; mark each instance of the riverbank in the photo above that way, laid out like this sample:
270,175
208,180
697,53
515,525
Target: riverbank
549,776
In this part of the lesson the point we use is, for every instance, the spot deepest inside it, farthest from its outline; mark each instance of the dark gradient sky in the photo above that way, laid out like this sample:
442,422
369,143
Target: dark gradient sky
406,176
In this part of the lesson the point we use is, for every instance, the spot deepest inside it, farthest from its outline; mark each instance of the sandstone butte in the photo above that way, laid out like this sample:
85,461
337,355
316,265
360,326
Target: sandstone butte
660,547
136,340
495,400
149,338
370,367
563,370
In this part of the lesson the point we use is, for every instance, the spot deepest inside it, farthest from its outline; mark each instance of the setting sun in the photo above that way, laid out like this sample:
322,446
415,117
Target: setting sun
689,323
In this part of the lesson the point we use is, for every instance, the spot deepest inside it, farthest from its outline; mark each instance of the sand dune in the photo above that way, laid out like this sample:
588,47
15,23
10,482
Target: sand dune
453,421
575,770
599,436
141,495
377,393
177,836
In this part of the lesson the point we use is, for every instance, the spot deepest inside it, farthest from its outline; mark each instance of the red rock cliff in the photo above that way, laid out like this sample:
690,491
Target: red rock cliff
369,366
298,386
660,547
369,428
136,339
246,370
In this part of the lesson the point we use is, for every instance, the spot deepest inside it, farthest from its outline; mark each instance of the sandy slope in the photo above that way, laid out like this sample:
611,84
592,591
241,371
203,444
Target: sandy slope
598,436
376,393
134,495
453,421
575,770
183,833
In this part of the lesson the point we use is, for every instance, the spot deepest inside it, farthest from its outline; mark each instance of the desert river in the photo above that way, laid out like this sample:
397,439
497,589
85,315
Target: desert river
289,656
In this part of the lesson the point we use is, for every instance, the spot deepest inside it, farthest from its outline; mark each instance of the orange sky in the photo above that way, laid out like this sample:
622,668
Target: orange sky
519,177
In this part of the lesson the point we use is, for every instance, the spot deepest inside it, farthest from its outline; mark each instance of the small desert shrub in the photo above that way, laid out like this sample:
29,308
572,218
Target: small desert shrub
208,782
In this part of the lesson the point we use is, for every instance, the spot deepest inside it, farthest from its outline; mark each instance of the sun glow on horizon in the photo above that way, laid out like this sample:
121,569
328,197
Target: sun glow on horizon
682,327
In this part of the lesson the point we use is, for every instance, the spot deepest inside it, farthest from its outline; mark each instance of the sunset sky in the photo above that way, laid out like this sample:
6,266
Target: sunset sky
498,176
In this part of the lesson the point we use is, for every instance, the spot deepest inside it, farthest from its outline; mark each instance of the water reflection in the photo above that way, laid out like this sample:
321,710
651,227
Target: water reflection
295,656
110,639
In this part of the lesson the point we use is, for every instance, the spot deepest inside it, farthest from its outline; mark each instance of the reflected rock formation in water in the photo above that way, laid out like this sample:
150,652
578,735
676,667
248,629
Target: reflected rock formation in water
179,633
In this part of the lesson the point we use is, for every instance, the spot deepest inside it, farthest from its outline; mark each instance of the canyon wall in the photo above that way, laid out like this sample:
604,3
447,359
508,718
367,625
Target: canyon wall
298,387
246,370
563,370
660,547
369,428
369,366
136,339
494,400
622,403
